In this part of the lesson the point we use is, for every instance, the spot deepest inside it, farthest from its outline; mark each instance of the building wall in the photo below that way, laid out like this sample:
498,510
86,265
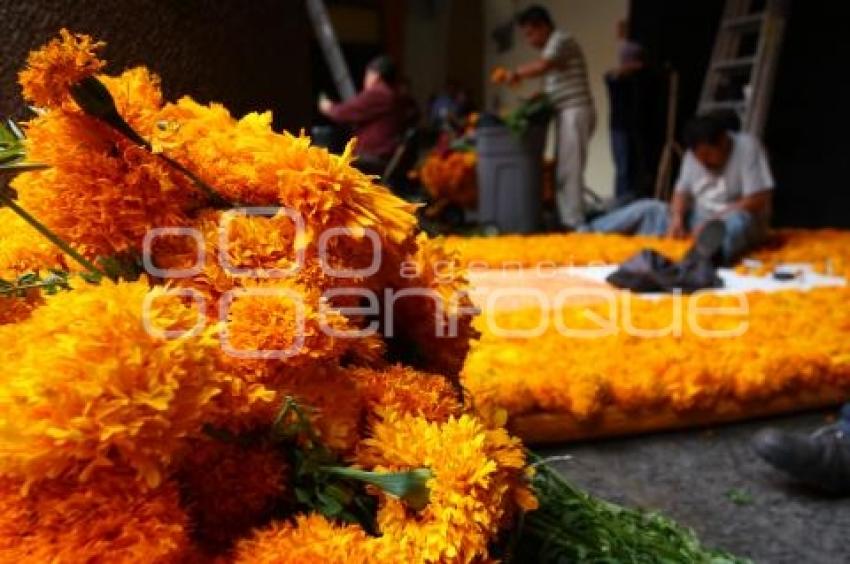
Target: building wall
250,55
593,22
443,41
426,46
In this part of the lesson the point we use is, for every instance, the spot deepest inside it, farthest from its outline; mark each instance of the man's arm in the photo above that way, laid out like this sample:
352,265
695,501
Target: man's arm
756,204
358,109
679,206
531,70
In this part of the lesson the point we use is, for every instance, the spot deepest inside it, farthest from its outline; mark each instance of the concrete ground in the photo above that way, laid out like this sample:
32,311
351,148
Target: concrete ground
710,481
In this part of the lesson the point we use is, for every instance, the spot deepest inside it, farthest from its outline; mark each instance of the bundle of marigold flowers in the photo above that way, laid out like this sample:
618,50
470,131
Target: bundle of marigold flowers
451,176
246,393
236,348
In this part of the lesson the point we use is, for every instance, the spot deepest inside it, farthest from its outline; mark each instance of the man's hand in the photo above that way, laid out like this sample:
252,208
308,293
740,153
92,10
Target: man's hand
325,104
678,210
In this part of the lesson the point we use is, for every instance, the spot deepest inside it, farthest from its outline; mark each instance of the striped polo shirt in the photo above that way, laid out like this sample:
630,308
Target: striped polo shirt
566,84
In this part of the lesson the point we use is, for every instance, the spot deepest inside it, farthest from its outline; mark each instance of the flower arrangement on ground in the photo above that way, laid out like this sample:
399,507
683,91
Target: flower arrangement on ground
828,250
613,366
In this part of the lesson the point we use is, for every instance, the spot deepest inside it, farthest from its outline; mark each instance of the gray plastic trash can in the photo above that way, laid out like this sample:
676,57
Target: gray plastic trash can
510,178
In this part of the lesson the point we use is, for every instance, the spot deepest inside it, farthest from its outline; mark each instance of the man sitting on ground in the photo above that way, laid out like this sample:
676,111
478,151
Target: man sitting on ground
724,175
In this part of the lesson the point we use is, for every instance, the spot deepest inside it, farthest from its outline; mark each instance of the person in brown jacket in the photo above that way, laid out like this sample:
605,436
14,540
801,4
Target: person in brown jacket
379,114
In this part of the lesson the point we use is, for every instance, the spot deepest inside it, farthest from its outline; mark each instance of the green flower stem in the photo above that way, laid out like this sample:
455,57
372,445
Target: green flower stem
49,235
215,198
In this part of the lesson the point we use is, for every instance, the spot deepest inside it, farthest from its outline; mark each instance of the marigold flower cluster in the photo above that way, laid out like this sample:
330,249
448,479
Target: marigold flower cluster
54,68
141,417
744,353
87,385
451,176
499,75
828,250
572,249
24,250
474,470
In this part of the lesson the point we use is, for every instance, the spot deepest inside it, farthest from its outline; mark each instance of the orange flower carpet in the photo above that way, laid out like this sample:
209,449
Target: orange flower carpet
563,357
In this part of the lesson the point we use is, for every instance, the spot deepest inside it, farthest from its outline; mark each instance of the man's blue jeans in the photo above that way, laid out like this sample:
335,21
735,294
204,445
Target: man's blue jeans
652,217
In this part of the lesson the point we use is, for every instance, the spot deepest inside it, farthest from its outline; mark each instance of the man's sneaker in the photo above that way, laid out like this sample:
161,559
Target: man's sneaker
820,460
708,243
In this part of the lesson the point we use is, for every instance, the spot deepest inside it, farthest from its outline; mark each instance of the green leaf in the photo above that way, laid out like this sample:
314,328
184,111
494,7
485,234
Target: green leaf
410,486
94,99
739,497
572,526
303,496
328,505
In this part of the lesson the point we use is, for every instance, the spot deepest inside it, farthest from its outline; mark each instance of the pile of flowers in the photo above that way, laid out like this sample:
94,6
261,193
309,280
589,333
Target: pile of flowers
221,343
451,176
828,250
550,250
237,401
681,355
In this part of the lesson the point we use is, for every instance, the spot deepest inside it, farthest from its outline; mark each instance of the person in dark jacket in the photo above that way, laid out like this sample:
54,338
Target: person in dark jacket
379,114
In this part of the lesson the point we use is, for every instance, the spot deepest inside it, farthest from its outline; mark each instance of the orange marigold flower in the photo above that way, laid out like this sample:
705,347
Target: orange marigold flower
65,522
285,321
17,308
451,176
332,402
137,96
101,193
23,249
55,67
229,488
478,481
403,391
105,390
310,539
248,162
499,75
432,313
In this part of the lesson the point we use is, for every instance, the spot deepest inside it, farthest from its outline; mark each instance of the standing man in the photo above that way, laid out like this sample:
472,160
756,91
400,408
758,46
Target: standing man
621,85
564,72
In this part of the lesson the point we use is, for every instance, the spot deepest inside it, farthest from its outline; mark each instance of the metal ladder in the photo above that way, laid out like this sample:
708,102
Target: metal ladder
326,36
743,63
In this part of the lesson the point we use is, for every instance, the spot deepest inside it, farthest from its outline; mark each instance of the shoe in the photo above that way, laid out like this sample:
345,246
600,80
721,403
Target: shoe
820,460
708,243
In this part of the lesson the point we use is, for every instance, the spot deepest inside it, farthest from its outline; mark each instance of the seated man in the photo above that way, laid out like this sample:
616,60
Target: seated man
379,115
724,175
